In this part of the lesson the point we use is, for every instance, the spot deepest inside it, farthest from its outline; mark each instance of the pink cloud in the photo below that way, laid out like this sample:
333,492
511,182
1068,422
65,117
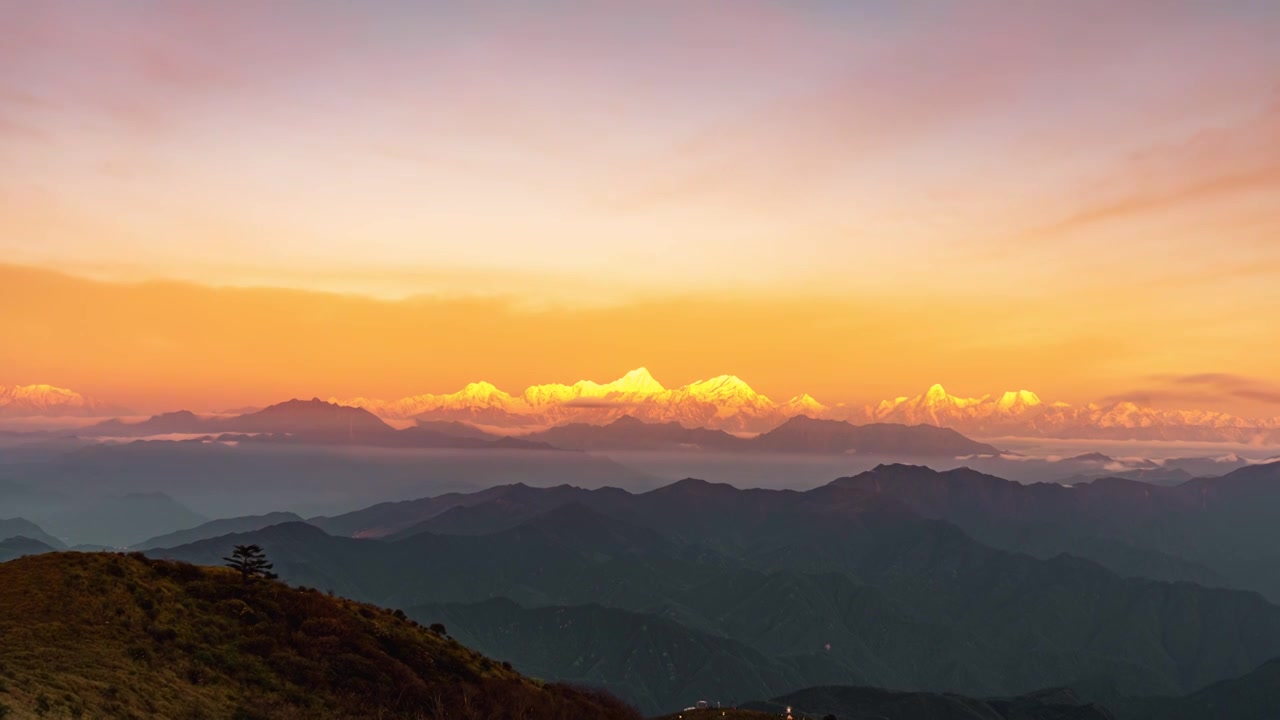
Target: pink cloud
1215,162
1046,70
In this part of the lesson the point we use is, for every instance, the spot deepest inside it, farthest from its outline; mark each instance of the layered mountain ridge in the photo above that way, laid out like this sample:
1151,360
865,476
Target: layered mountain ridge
316,421
1023,413
728,403
900,577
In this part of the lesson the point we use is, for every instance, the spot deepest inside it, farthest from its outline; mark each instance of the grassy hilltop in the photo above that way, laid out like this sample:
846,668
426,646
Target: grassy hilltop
116,636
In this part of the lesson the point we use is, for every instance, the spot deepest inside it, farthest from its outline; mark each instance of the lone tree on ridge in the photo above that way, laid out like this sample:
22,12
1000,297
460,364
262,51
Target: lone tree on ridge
251,562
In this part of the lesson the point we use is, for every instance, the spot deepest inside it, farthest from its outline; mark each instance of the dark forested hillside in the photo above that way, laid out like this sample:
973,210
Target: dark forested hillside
104,635
655,663
842,585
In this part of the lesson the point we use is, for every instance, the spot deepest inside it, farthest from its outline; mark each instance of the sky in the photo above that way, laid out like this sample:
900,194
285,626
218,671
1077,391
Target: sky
207,203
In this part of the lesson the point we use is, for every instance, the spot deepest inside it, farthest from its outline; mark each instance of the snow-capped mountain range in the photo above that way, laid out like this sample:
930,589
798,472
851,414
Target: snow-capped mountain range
727,403
724,402
1023,413
50,401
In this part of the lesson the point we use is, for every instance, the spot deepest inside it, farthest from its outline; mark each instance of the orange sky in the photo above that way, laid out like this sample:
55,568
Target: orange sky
168,345
853,200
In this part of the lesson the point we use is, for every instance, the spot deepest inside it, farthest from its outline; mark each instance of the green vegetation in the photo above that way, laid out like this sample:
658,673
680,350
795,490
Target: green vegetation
106,635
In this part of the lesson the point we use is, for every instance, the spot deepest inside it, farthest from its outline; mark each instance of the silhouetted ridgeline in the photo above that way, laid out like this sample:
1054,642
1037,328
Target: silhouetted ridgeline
900,578
866,581
316,421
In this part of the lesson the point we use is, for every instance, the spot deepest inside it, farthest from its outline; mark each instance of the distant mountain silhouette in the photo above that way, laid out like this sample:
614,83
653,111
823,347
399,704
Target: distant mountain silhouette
455,429
728,403
390,518
1211,531
18,546
306,422
315,421
216,528
804,434
842,584
514,505
222,480
309,418
1101,520
1150,476
798,435
312,418
171,423
18,527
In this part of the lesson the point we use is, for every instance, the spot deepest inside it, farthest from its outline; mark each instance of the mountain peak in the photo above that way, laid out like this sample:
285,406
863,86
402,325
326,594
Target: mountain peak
726,390
300,404
636,381
42,389
723,381
50,401
297,416
482,394
1092,457
903,467
1018,400
806,401
728,403
693,487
